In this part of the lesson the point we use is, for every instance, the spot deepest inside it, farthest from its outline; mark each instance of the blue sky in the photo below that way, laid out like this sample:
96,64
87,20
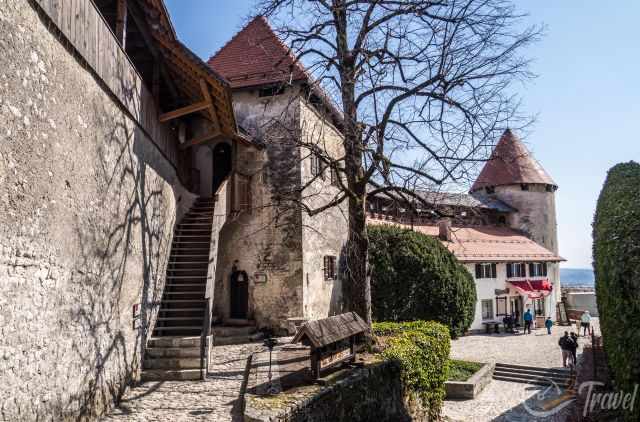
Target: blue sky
585,96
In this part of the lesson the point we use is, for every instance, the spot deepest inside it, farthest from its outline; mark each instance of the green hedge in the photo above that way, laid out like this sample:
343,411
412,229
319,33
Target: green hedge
421,349
616,253
414,277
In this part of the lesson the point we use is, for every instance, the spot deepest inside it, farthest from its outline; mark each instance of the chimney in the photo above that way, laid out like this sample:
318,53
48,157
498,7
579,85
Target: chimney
444,229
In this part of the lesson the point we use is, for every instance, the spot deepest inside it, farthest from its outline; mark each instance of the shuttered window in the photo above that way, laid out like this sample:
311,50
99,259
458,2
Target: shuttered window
329,267
537,269
516,269
243,193
486,270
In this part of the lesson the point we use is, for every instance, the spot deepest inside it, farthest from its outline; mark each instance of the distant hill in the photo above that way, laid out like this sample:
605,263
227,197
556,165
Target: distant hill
577,277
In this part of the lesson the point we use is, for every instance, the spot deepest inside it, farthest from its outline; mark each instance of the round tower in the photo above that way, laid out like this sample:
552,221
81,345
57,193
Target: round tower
513,176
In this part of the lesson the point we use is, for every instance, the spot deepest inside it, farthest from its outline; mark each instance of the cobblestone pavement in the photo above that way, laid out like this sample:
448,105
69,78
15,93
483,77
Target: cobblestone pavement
216,399
508,401
535,349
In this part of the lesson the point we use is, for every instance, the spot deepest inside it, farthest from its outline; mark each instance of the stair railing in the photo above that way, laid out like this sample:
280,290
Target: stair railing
220,201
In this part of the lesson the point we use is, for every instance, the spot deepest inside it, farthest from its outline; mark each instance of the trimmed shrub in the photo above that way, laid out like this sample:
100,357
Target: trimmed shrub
415,277
616,254
421,349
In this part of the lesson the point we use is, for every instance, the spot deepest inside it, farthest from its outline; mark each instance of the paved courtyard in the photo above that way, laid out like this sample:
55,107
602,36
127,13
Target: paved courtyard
508,401
217,399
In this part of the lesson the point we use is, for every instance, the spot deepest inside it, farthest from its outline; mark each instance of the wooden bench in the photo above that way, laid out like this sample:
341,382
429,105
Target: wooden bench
494,324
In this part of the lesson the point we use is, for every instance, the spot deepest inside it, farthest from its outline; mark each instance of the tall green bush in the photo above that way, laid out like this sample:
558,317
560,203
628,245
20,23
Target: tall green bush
414,277
616,254
421,349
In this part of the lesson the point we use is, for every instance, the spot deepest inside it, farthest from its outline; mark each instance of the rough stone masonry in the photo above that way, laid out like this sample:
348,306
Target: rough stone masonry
87,205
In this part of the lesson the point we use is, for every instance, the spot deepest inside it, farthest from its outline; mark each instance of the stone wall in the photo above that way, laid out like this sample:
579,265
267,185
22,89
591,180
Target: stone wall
265,239
372,393
87,210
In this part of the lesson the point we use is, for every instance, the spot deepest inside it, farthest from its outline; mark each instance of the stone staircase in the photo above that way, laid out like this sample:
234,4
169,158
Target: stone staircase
533,375
173,352
235,331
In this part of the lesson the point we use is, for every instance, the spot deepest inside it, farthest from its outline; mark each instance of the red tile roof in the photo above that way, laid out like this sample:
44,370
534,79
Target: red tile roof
511,163
486,243
256,56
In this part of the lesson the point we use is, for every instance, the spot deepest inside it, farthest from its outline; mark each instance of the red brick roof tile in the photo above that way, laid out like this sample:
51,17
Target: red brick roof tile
511,163
485,243
256,56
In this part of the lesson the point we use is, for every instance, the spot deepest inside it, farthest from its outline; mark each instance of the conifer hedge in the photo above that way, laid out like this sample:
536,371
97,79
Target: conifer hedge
616,255
414,277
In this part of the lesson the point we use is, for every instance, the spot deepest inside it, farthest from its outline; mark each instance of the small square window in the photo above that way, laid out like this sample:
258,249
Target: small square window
524,186
329,267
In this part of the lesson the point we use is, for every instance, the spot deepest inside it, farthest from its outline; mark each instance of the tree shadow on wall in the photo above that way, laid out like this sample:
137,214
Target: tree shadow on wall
124,239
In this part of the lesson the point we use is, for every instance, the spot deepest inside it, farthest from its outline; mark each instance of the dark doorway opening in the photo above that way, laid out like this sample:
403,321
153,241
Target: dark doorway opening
221,164
239,294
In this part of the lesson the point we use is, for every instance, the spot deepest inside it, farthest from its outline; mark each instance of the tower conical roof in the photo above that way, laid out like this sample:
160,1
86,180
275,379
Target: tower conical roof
511,163
256,56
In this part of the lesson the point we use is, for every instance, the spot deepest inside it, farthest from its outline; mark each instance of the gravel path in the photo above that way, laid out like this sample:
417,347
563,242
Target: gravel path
216,399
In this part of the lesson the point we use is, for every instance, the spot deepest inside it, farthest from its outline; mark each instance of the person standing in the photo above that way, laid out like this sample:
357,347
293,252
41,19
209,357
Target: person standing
585,322
564,347
574,348
528,320
548,323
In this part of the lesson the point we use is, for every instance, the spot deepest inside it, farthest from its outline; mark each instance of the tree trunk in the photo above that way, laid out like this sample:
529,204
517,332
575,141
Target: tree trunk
358,292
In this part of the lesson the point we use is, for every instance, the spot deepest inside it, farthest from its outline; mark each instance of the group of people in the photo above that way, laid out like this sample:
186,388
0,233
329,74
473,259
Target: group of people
569,346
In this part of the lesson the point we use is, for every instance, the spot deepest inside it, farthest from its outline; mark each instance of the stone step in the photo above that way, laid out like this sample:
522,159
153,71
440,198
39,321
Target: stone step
242,322
172,363
532,368
170,375
176,342
534,372
233,331
526,380
525,375
173,352
225,341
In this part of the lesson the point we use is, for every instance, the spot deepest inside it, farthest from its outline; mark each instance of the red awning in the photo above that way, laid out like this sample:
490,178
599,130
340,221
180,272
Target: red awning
535,289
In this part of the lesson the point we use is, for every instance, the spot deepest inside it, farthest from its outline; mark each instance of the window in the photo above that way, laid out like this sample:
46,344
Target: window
271,91
329,267
501,306
516,269
490,190
537,269
243,192
317,165
486,270
487,309
524,186
538,306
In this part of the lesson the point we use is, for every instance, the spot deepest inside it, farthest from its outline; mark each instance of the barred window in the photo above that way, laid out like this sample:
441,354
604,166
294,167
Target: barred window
243,193
317,165
335,177
329,267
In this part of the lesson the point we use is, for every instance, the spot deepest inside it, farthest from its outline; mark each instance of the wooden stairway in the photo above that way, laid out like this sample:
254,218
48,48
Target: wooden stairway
173,352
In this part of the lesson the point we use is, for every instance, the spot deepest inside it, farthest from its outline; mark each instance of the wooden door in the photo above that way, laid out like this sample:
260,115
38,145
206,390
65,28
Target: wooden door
239,295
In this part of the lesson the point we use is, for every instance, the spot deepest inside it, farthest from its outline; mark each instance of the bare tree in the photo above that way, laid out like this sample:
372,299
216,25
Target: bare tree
423,88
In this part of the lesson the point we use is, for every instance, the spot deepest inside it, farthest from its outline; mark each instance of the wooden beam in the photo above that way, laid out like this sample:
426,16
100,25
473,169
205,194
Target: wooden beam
121,22
165,117
201,139
204,87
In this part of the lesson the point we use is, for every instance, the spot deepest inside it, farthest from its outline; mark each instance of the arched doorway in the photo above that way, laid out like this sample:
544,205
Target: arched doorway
221,164
239,292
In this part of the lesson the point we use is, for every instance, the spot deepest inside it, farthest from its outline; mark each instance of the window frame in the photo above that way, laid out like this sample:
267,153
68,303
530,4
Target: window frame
482,309
486,270
329,267
520,265
538,269
504,300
